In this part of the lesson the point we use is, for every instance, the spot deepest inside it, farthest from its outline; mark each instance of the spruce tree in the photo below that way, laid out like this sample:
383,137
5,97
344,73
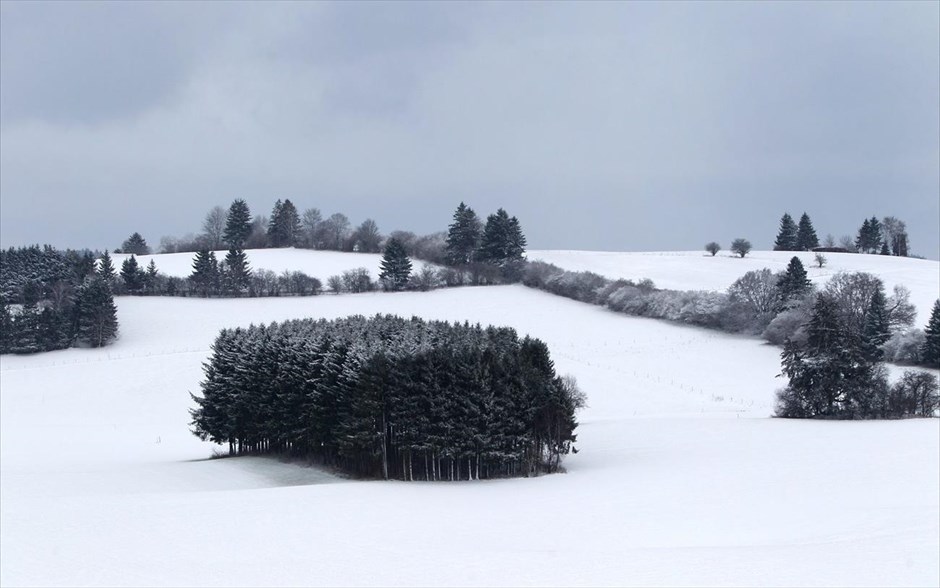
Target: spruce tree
284,228
503,242
97,315
876,329
25,338
136,244
806,238
463,237
930,353
794,283
273,223
150,276
875,229
205,272
396,266
132,275
863,240
884,249
869,236
787,235
237,272
237,224
106,268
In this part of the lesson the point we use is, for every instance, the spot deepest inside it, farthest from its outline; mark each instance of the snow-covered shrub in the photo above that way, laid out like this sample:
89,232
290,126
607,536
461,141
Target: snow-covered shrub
357,280
904,346
583,286
790,322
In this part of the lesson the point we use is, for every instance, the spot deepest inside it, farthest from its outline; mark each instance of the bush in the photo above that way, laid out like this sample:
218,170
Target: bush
741,247
904,346
915,394
357,280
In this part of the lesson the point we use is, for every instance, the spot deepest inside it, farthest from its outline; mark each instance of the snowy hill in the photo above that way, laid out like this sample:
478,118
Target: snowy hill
698,270
680,477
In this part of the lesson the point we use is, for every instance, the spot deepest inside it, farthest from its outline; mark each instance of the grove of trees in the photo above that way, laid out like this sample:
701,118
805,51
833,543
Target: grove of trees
52,299
389,397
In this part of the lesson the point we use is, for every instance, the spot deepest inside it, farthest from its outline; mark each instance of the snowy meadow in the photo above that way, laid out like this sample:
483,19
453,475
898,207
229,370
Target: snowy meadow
681,477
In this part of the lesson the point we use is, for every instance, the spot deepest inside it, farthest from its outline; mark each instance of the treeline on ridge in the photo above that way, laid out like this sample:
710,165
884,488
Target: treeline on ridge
390,397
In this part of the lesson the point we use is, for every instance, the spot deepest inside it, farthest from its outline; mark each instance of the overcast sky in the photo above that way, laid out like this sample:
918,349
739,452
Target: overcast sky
614,126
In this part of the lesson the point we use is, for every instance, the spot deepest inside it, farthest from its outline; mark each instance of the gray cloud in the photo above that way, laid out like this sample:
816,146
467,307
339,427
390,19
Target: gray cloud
611,126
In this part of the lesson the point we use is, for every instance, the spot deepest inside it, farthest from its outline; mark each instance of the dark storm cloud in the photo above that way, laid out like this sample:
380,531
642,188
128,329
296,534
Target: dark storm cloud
612,126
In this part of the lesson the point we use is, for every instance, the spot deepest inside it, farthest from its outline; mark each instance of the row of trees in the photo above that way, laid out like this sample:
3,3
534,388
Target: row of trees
776,306
286,226
52,299
389,397
887,237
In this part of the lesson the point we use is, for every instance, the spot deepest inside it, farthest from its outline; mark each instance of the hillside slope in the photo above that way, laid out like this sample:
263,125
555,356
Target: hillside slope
679,479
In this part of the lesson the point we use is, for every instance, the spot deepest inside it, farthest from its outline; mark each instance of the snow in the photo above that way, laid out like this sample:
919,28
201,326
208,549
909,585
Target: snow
318,264
698,270
681,479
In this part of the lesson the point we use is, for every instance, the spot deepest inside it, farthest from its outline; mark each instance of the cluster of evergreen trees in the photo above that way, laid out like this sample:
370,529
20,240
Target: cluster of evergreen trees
796,237
390,397
52,299
489,252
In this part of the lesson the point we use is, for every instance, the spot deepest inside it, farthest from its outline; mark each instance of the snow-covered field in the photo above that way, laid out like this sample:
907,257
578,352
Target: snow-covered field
698,270
319,264
680,478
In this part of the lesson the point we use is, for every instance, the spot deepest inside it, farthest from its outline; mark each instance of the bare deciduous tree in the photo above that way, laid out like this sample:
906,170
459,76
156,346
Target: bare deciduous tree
213,227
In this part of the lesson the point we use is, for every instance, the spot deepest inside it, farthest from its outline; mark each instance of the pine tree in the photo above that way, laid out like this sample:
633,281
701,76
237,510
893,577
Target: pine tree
273,223
97,315
132,275
135,244
875,229
106,268
787,236
831,375
806,238
869,236
237,272
53,331
463,237
930,353
237,224
502,242
794,283
884,249
150,276
876,329
284,228
863,240
205,274
396,266
25,337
